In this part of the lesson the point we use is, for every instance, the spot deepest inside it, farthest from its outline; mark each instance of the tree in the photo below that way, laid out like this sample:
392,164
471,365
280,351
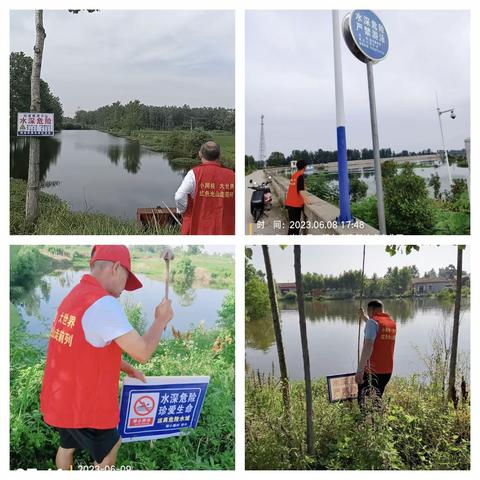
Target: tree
276,159
277,328
456,324
33,182
304,340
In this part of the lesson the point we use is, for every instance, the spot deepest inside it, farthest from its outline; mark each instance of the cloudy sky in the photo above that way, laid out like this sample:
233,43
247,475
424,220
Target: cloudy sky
333,260
158,57
289,78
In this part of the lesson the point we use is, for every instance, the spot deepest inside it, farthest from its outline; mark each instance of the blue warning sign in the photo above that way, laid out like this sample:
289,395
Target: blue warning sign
162,407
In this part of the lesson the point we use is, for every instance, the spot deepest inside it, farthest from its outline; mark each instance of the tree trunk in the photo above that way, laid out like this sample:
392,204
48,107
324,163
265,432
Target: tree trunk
306,357
276,327
456,323
33,183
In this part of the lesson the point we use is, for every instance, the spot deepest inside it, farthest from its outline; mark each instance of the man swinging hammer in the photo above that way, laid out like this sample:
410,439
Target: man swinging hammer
376,361
84,359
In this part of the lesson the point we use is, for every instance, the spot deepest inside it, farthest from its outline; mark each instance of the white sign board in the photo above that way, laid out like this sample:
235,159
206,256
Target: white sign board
31,124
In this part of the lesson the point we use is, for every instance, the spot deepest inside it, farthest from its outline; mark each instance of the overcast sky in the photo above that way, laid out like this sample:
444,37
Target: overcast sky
158,57
333,260
289,78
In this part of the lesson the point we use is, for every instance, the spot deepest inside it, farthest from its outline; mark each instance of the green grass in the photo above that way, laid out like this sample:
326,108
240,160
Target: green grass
418,430
33,444
56,218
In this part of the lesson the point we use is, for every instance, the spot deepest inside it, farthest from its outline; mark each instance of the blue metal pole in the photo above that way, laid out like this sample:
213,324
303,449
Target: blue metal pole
343,182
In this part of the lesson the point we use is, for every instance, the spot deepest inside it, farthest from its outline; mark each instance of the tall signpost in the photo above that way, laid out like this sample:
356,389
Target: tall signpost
367,39
343,182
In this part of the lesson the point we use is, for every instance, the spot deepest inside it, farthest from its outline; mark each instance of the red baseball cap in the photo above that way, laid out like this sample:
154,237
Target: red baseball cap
116,253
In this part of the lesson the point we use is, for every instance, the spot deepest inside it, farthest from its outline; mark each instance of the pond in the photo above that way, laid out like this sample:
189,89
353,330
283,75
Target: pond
190,308
425,171
332,329
99,172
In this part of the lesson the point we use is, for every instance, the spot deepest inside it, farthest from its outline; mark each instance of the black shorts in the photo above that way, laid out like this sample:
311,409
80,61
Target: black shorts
373,383
96,442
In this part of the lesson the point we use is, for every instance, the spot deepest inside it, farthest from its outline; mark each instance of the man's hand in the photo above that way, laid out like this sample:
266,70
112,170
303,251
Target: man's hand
362,315
359,377
164,312
134,373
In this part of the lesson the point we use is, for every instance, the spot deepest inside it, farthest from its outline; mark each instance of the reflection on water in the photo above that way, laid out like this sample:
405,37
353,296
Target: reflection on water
332,334
100,172
191,307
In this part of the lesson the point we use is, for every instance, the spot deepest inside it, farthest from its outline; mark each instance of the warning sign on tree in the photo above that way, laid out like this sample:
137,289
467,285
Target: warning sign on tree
162,407
35,124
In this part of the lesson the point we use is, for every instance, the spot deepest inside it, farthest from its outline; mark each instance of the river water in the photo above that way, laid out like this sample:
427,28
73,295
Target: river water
332,329
99,172
190,308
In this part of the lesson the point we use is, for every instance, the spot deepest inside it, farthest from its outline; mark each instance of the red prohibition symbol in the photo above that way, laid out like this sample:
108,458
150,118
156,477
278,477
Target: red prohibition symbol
144,405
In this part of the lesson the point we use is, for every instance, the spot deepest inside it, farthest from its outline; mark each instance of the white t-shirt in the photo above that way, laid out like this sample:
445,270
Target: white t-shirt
104,321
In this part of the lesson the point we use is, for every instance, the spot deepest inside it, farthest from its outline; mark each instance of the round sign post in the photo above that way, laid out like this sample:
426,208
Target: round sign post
367,39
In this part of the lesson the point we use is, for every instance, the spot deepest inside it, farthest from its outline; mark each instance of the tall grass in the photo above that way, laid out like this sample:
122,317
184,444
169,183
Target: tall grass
56,218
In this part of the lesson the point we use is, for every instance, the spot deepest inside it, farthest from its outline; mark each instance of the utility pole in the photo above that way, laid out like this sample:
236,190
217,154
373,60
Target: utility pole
452,116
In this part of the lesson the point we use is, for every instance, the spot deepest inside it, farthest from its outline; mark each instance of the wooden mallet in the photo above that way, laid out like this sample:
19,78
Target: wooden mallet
167,255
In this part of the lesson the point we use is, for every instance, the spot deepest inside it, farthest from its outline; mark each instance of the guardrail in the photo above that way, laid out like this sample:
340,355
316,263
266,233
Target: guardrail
322,215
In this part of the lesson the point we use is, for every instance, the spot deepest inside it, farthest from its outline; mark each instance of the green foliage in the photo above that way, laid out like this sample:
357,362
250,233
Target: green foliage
366,210
276,159
408,209
186,143
358,189
389,169
56,218
290,297
417,431
257,303
20,74
211,446
434,182
455,218
183,274
27,265
319,185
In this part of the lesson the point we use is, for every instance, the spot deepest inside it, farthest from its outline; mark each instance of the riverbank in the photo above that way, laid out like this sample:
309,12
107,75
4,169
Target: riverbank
57,218
160,140
417,431
210,271
211,446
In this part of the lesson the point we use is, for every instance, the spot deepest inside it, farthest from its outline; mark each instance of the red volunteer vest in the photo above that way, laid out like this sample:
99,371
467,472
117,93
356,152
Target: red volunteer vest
211,211
80,383
293,198
381,360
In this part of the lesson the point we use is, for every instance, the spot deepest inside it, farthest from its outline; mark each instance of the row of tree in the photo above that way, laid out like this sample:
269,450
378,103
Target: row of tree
135,115
278,159
20,94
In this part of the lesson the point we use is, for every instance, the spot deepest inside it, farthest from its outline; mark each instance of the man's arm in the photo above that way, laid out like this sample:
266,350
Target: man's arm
186,188
141,348
364,358
131,371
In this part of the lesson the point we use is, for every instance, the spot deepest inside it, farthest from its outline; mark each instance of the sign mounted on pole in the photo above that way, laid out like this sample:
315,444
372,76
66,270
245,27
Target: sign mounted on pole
342,387
163,407
365,36
32,124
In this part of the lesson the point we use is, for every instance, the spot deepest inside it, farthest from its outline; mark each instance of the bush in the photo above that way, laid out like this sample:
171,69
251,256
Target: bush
358,189
290,297
257,302
408,208
318,184
417,431
186,143
366,210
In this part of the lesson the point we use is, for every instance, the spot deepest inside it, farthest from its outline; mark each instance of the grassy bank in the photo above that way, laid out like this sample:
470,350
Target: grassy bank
33,444
159,141
417,431
57,218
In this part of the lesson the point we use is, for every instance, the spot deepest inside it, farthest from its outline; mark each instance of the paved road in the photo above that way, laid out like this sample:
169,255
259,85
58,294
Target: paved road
276,213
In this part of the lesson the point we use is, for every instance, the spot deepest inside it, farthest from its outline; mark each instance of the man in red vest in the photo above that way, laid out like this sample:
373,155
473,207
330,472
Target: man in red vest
206,197
376,361
296,198
80,385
